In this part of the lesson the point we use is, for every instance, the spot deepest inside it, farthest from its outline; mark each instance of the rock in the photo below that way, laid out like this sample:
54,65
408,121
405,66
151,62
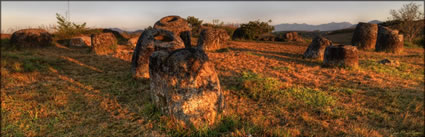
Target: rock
133,41
267,37
104,43
389,40
239,34
317,47
124,52
152,40
291,36
80,41
185,86
212,39
389,62
341,56
31,38
364,36
177,25
121,39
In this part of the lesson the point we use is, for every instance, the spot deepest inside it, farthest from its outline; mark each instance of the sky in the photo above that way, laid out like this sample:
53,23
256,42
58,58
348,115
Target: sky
134,15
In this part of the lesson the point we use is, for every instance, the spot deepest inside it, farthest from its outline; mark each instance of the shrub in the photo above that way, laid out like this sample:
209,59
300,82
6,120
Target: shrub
410,44
253,29
419,41
195,24
68,29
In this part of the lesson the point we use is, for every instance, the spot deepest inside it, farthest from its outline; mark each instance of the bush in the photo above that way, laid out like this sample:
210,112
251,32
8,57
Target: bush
253,30
68,29
419,41
195,24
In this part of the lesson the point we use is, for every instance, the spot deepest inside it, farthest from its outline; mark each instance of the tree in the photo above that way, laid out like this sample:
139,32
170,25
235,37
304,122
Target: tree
253,29
195,23
67,28
217,23
409,20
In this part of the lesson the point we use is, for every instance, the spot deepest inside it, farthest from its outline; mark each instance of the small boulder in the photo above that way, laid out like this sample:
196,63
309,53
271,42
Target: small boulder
317,47
267,37
341,56
292,36
31,38
389,40
177,25
389,62
121,39
185,86
104,43
152,40
239,34
364,36
80,41
212,39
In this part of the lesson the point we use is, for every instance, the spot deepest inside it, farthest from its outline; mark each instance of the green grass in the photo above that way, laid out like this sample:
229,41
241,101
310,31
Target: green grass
26,61
403,70
284,68
222,50
259,87
311,97
412,45
343,90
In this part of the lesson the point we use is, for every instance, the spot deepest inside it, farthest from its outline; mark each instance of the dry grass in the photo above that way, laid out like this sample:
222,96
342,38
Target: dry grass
269,89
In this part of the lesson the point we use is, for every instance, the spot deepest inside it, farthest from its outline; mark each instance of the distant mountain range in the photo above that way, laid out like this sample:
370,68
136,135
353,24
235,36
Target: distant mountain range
121,31
322,27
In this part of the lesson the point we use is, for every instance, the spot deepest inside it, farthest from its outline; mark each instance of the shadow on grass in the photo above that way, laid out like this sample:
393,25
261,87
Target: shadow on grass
297,58
99,86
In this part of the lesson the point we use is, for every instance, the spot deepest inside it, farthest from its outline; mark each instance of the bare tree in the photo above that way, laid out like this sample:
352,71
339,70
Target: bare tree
410,18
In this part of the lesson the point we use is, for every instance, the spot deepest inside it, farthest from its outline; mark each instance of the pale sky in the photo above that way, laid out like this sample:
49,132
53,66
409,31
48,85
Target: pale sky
133,15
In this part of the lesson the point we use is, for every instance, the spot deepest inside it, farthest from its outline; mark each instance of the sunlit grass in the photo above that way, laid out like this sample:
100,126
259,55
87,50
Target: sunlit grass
71,92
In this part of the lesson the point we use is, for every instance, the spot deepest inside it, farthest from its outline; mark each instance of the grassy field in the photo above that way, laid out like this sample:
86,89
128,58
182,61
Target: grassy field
269,89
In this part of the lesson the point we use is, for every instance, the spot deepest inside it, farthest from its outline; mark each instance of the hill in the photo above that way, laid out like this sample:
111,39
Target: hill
322,27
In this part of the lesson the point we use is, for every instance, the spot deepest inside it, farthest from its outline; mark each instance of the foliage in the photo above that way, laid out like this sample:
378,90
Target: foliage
410,20
253,29
194,23
419,40
67,28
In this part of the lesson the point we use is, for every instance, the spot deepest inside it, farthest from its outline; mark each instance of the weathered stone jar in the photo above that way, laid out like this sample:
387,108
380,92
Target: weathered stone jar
212,39
177,25
389,40
341,56
185,86
365,35
31,38
104,43
152,40
317,48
